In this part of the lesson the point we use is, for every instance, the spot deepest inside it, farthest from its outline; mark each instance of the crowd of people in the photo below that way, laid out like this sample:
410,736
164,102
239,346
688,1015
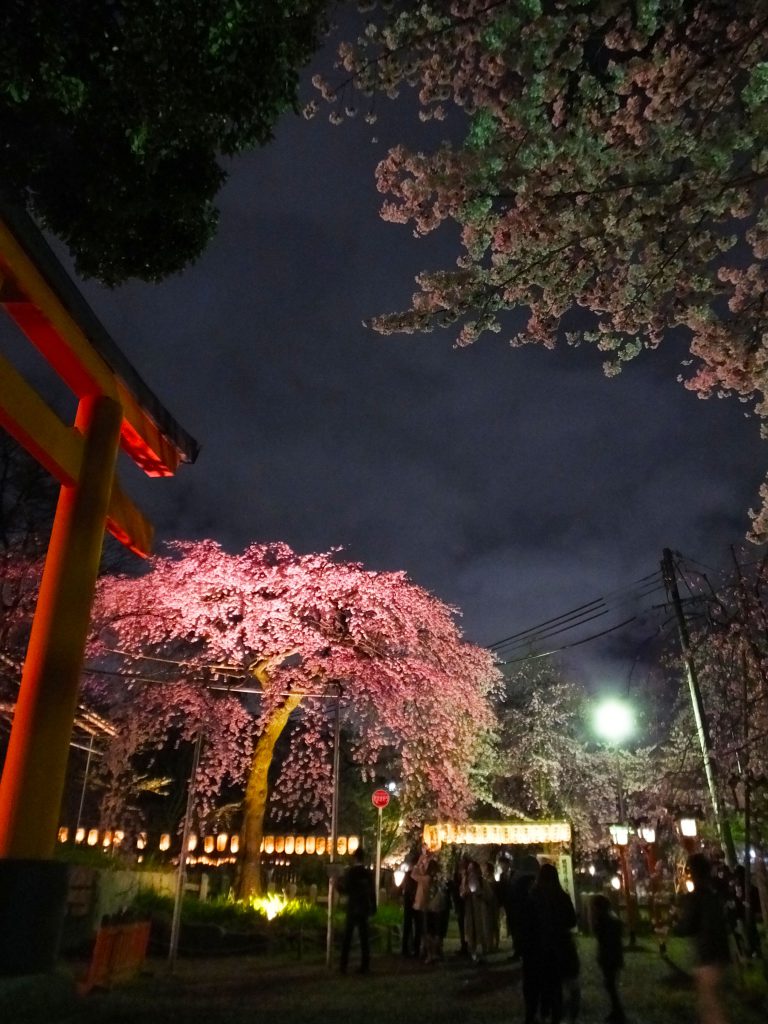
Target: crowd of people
539,916
540,920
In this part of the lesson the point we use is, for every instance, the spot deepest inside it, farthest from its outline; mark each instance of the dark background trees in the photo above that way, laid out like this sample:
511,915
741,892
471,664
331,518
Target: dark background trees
117,116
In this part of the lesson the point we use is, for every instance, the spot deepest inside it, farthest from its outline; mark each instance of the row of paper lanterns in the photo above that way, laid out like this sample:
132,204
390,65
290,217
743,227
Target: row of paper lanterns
221,842
502,833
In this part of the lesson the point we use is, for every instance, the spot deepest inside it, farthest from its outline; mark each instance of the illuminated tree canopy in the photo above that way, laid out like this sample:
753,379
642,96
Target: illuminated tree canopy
731,660
614,164
114,116
550,765
302,628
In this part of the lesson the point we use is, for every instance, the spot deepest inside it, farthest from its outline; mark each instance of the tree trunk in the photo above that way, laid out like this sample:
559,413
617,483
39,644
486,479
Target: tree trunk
256,793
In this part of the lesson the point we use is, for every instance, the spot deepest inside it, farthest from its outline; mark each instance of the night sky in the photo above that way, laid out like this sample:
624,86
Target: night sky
514,483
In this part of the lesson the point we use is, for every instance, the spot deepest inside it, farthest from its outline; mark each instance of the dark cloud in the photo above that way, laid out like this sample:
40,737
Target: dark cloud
513,483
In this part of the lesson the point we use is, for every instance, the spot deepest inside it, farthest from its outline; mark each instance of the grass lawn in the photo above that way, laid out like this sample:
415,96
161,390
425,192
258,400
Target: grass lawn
243,990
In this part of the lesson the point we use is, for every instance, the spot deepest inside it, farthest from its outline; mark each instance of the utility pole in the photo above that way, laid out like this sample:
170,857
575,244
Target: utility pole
702,730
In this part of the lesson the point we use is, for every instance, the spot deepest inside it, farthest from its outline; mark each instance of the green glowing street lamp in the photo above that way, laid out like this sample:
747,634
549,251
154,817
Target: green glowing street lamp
614,721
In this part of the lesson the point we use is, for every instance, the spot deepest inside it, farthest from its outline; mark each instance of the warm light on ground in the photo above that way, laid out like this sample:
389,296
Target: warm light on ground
271,906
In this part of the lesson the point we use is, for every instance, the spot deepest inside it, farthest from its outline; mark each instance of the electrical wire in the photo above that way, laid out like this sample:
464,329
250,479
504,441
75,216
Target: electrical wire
575,643
583,610
220,668
546,634
148,680
585,613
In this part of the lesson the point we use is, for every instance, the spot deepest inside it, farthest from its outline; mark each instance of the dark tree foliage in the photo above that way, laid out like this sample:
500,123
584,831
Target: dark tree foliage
27,501
115,114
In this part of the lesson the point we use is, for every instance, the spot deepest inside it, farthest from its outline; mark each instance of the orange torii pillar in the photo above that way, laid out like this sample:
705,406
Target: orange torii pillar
38,749
115,408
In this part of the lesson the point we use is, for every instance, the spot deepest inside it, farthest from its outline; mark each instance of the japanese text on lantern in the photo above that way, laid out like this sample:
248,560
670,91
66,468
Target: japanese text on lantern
512,833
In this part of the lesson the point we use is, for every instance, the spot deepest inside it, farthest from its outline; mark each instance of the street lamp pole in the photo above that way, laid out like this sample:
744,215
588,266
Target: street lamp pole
181,873
614,722
620,789
334,828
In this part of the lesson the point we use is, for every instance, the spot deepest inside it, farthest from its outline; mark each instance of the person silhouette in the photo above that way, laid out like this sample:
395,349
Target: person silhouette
358,886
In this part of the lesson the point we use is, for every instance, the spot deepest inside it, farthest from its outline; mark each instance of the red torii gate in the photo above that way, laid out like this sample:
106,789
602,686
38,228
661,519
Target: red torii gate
115,410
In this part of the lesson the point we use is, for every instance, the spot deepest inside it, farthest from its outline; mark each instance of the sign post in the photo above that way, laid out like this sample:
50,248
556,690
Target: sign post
379,799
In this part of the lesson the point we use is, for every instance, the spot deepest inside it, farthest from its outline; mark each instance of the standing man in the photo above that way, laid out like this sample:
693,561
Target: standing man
408,890
524,935
359,887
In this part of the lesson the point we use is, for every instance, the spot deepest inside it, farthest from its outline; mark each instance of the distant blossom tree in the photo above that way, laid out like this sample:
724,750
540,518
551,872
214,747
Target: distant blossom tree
304,628
729,640
614,162
549,765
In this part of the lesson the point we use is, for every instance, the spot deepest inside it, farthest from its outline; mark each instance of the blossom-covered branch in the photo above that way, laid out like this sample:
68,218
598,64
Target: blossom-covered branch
614,163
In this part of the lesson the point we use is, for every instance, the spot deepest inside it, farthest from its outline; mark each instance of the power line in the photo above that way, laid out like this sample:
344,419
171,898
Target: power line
548,634
148,680
582,609
221,668
575,643
578,617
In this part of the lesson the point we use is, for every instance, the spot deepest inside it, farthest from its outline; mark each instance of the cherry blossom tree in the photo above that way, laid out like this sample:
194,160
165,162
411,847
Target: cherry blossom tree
549,764
612,162
305,631
730,652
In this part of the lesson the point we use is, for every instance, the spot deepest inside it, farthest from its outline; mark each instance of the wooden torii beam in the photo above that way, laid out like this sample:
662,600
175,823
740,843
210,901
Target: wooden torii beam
115,409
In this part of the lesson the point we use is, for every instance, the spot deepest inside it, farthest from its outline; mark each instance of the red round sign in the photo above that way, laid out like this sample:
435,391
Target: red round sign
380,798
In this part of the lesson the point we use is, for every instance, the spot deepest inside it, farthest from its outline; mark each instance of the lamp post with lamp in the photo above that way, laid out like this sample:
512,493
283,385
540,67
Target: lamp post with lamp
647,833
614,722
